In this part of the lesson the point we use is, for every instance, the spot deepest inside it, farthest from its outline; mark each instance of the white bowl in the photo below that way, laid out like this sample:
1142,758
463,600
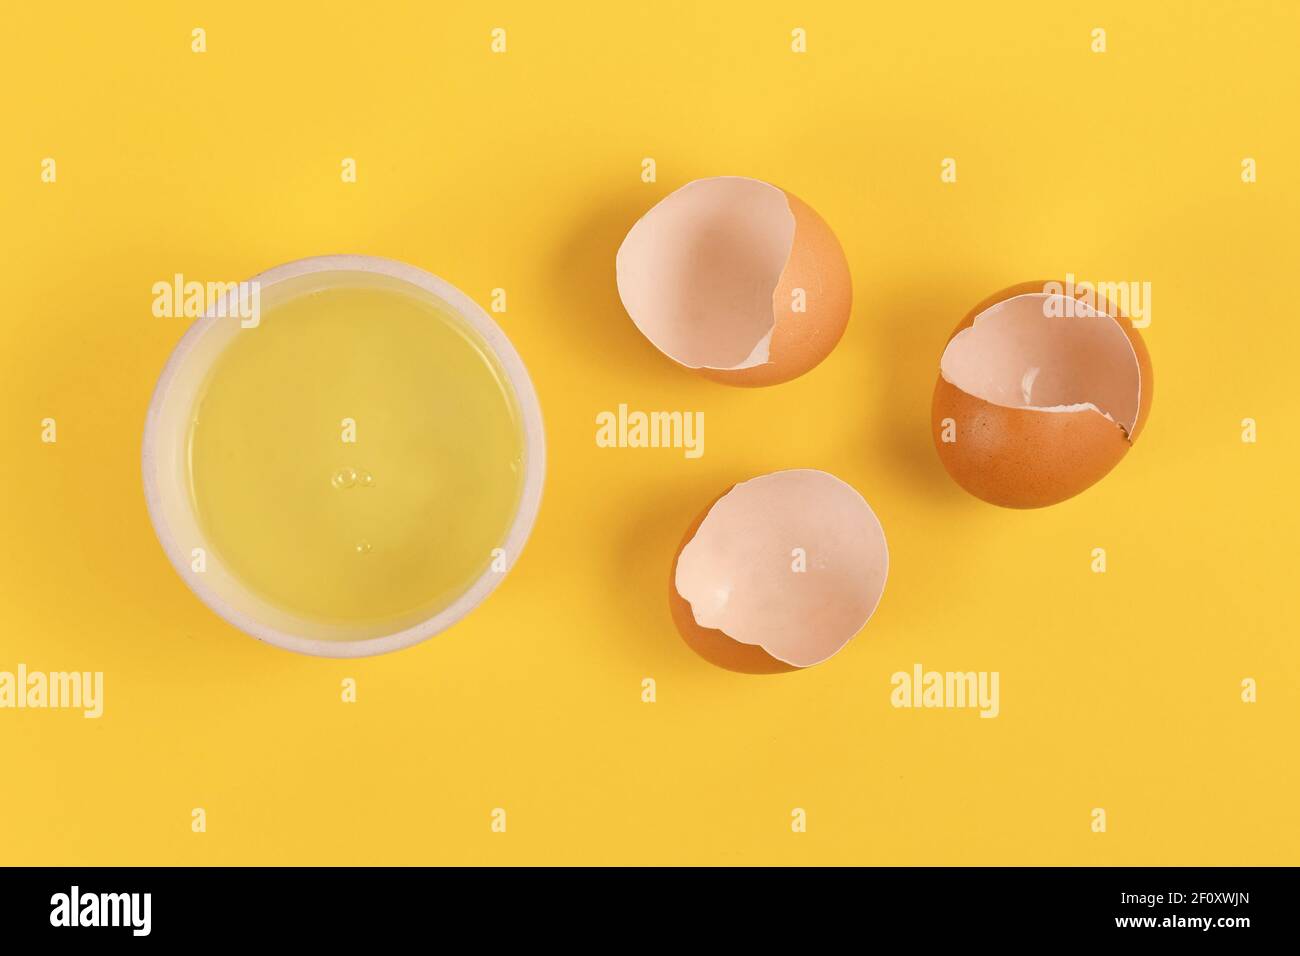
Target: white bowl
166,480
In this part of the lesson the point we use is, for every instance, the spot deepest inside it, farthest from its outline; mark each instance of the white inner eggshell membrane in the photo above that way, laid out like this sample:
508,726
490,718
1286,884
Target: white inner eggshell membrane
738,571
698,271
1029,352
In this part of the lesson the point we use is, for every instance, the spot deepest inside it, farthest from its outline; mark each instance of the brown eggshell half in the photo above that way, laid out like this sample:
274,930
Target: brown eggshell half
737,279
1031,457
735,564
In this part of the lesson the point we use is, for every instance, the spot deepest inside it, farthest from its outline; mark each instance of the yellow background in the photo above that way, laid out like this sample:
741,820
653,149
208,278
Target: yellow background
1118,690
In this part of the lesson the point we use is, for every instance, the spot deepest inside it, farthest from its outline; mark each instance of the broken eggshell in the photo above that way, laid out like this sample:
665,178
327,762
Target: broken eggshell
1038,396
779,572
737,279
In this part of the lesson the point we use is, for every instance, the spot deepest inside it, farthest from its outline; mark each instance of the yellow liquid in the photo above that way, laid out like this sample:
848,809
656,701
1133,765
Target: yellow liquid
391,527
